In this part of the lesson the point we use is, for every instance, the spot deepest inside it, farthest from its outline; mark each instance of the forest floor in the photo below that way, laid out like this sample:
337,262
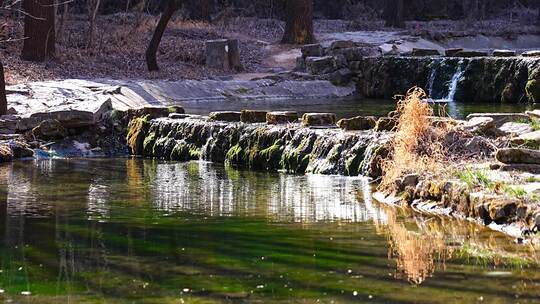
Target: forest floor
121,40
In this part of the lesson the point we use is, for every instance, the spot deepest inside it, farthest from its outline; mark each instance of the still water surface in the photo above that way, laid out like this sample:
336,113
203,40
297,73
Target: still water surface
351,108
141,231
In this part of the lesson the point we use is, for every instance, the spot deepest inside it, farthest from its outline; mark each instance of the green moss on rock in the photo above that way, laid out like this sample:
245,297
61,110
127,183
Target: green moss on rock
148,144
137,129
532,90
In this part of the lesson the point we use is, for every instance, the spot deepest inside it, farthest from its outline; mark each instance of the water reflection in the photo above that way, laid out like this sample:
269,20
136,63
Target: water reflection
129,229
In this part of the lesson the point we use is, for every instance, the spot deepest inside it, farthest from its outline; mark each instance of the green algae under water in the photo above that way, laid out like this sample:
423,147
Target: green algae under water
141,231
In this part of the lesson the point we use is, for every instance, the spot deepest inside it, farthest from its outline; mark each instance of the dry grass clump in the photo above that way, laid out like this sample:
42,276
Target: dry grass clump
417,145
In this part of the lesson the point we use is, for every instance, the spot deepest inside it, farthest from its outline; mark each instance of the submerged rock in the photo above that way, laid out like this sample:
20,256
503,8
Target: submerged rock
281,117
518,156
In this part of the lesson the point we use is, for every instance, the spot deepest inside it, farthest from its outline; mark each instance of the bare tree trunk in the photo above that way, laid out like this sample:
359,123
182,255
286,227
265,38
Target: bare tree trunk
62,25
393,13
39,32
128,4
152,49
3,99
93,8
299,22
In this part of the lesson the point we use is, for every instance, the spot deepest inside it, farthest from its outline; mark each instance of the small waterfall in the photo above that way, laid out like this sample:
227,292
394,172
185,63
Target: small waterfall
368,156
431,79
452,87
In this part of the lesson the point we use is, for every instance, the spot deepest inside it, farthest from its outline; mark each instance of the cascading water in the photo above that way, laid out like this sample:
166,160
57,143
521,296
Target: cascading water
452,87
431,79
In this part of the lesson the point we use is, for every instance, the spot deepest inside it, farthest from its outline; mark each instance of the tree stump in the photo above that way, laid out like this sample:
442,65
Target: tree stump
223,54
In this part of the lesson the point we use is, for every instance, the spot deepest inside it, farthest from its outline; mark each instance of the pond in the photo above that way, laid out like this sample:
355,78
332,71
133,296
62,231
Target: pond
351,107
131,230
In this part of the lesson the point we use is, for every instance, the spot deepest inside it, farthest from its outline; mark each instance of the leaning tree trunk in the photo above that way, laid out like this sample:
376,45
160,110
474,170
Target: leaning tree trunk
393,13
299,22
3,99
39,30
151,60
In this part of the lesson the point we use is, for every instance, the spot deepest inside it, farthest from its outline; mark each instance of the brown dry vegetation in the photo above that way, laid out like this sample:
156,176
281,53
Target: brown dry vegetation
417,145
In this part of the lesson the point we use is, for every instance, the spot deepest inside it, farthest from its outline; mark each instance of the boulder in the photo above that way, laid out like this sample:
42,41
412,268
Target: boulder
20,149
318,119
8,125
251,116
350,54
80,116
300,63
515,128
502,118
425,52
27,123
312,50
452,52
480,125
342,44
321,65
357,123
49,129
178,116
535,53
410,180
153,112
386,124
176,109
341,77
504,53
282,117
518,156
469,54
531,139
533,114
229,116
5,153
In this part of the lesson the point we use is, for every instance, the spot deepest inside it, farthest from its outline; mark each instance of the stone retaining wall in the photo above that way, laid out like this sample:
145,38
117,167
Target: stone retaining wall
289,147
479,78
